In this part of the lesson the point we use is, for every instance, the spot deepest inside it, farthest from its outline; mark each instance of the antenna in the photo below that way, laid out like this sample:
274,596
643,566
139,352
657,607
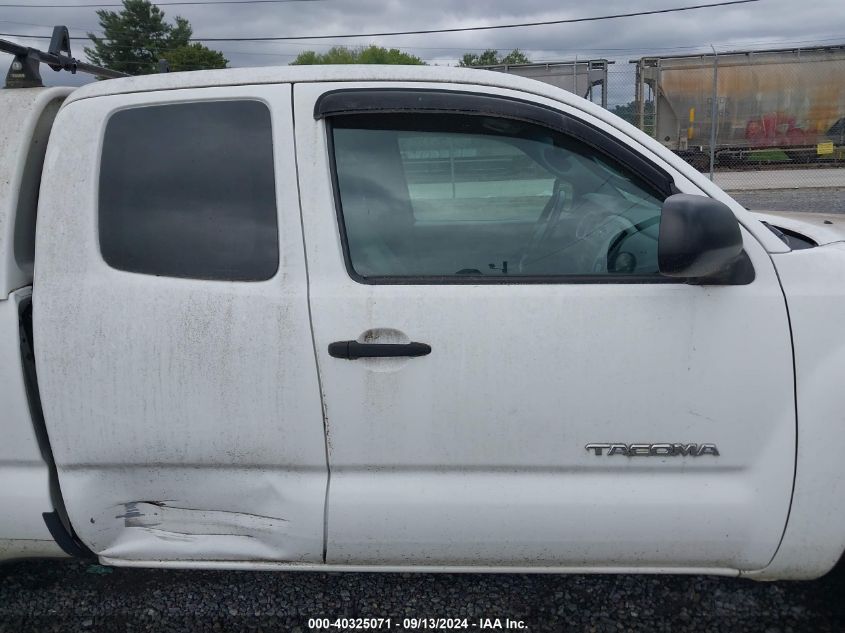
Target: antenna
25,71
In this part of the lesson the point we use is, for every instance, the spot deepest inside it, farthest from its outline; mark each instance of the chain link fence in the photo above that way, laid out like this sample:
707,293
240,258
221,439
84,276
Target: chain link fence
754,120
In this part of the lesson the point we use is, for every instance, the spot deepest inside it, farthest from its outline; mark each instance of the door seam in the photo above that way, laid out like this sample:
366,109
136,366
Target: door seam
311,327
795,412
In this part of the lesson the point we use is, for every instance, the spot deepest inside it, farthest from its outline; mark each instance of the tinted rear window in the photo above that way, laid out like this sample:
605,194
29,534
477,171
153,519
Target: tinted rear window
188,190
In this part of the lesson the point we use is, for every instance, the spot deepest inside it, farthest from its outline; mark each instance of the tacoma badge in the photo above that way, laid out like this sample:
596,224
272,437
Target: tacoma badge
654,450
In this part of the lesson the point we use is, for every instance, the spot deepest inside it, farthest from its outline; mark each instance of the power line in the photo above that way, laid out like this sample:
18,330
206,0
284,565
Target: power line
574,50
567,51
629,49
17,5
78,28
477,28
611,50
431,31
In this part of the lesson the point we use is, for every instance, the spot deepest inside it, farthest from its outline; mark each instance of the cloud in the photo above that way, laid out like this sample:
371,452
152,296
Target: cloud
764,24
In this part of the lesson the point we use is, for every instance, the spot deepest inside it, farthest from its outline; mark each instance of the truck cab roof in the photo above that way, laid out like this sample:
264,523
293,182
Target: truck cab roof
321,73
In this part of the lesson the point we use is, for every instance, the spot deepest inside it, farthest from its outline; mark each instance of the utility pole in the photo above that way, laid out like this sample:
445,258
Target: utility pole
714,112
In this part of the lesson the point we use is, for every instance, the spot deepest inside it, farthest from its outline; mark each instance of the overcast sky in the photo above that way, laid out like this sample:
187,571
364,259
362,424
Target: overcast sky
758,25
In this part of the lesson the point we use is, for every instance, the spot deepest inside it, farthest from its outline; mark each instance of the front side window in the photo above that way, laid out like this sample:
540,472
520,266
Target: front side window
188,190
445,195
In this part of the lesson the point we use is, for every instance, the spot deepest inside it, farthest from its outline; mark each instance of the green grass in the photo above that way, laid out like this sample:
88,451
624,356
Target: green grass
769,155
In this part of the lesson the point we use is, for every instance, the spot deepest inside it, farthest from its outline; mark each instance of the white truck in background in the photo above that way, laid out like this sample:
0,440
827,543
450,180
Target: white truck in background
403,318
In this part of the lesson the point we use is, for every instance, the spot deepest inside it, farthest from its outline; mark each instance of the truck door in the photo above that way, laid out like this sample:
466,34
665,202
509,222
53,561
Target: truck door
487,310
173,345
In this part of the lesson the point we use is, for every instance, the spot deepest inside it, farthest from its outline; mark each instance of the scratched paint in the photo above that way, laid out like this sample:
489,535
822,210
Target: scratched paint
193,521
196,395
272,517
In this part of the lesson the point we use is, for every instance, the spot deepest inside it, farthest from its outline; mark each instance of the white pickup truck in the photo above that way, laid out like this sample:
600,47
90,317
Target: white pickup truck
403,318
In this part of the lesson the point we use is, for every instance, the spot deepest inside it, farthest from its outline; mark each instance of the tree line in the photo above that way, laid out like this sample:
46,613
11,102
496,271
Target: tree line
138,36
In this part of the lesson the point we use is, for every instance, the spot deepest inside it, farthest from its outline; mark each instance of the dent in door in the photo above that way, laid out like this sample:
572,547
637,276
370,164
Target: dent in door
230,516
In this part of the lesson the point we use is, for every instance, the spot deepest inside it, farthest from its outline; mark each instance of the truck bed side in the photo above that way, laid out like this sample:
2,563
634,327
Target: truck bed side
24,472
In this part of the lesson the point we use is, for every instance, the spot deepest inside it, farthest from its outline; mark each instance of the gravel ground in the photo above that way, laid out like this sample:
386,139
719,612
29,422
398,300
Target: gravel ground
73,596
818,200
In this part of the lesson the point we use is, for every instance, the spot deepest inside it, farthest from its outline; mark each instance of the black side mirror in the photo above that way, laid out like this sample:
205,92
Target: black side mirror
700,240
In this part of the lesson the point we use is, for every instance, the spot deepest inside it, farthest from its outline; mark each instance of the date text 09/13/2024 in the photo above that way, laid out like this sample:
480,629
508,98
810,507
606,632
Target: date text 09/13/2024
412,624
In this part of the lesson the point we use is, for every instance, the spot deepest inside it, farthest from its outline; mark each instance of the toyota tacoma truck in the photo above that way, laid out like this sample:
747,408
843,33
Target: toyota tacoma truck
404,318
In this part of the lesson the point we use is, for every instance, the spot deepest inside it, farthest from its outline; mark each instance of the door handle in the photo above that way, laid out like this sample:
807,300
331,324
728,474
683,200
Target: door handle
351,350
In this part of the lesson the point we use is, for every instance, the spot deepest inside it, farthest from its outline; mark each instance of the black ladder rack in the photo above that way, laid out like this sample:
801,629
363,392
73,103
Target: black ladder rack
25,72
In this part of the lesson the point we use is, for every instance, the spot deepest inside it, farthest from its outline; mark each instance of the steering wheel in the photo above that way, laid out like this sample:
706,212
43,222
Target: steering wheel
596,215
609,260
605,234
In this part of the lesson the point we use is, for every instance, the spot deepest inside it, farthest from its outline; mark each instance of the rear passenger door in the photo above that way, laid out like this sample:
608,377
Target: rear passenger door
173,344
507,244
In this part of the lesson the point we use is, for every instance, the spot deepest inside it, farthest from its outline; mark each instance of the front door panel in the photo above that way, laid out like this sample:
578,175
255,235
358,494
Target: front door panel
475,453
173,345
